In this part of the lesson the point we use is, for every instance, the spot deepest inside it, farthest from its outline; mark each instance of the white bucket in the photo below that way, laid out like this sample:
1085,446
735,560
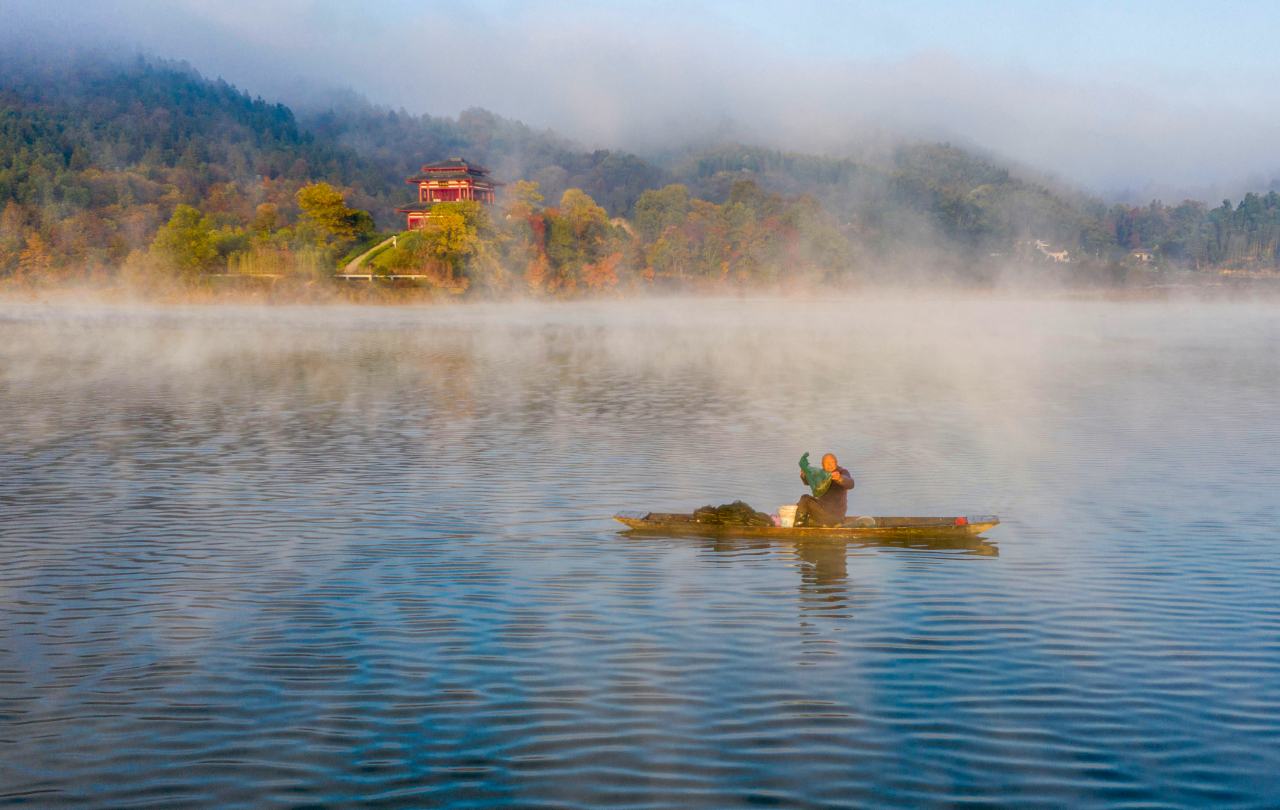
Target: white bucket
787,515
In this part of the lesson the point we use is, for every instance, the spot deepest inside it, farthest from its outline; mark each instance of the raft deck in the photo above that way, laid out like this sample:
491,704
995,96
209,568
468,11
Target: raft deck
886,527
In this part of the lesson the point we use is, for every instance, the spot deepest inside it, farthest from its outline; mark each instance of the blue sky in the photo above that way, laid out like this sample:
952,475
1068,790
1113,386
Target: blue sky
1179,38
1054,36
1156,98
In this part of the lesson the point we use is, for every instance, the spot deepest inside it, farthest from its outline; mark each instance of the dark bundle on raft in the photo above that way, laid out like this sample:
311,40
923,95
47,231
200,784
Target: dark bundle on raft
732,514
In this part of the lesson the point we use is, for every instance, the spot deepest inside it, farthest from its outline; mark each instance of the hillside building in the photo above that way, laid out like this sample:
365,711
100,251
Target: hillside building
1051,254
452,180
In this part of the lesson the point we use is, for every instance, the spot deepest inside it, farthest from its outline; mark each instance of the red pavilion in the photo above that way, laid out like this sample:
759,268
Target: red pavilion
451,180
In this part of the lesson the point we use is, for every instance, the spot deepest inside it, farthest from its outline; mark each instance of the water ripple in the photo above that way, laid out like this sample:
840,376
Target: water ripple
242,565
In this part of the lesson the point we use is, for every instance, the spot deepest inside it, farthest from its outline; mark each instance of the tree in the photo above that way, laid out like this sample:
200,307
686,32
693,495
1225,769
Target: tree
562,244
187,241
588,221
539,275
11,230
266,220
658,210
34,259
747,192
458,242
603,274
327,210
524,199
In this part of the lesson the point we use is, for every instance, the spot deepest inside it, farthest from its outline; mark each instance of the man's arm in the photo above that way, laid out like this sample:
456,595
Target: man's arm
804,478
843,479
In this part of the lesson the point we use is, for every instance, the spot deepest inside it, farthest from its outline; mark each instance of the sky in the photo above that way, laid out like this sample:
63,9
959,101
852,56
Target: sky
1117,97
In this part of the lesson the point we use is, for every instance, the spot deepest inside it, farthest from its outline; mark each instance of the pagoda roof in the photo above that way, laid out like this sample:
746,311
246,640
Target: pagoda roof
455,163
453,175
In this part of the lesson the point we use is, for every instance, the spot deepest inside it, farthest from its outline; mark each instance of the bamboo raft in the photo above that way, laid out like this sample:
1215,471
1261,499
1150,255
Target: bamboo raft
885,527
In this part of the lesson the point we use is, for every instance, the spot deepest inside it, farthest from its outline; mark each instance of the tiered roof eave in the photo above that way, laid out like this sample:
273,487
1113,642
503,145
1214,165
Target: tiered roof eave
427,177
455,163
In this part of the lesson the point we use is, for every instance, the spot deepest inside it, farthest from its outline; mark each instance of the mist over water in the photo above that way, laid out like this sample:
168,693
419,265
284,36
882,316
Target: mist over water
319,557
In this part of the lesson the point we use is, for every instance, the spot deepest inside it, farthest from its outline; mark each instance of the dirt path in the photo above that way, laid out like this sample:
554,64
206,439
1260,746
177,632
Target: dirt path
354,264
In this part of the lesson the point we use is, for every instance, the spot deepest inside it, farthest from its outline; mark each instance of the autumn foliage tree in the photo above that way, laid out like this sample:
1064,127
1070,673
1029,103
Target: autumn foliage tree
574,248
326,210
456,249
186,242
563,248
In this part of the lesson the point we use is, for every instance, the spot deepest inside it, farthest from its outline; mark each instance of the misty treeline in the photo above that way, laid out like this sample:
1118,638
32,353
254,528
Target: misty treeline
94,161
147,169
573,247
1194,235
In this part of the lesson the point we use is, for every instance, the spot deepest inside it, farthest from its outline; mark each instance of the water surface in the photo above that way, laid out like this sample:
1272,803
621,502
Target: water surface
363,557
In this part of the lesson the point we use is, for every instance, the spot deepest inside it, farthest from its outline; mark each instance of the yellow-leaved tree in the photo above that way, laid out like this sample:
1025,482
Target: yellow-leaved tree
458,240
186,243
325,208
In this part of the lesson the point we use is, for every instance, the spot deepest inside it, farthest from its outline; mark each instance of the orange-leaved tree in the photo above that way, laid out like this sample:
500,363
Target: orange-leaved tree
603,274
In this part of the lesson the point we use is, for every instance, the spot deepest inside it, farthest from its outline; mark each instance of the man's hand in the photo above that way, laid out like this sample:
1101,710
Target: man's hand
835,476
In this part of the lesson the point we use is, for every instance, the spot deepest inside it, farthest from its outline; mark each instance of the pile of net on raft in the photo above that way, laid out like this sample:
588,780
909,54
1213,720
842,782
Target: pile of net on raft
732,514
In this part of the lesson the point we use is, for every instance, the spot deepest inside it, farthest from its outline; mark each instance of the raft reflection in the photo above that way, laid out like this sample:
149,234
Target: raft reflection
824,561
824,566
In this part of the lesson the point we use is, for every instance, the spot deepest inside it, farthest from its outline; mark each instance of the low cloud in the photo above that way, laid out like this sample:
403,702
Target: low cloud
648,77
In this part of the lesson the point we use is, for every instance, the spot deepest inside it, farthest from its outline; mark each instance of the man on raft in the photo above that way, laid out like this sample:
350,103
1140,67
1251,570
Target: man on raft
829,508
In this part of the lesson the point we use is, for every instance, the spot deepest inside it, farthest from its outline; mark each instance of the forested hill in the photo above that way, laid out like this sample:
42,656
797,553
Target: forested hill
925,195
97,156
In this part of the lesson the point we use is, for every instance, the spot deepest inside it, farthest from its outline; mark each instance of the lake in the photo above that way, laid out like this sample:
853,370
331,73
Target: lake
341,557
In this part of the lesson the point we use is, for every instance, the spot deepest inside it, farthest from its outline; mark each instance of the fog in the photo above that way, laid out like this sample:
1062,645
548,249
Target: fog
912,387
1110,97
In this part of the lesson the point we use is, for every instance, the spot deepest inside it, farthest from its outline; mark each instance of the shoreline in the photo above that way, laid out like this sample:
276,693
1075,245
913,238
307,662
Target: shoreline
114,297
1184,286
